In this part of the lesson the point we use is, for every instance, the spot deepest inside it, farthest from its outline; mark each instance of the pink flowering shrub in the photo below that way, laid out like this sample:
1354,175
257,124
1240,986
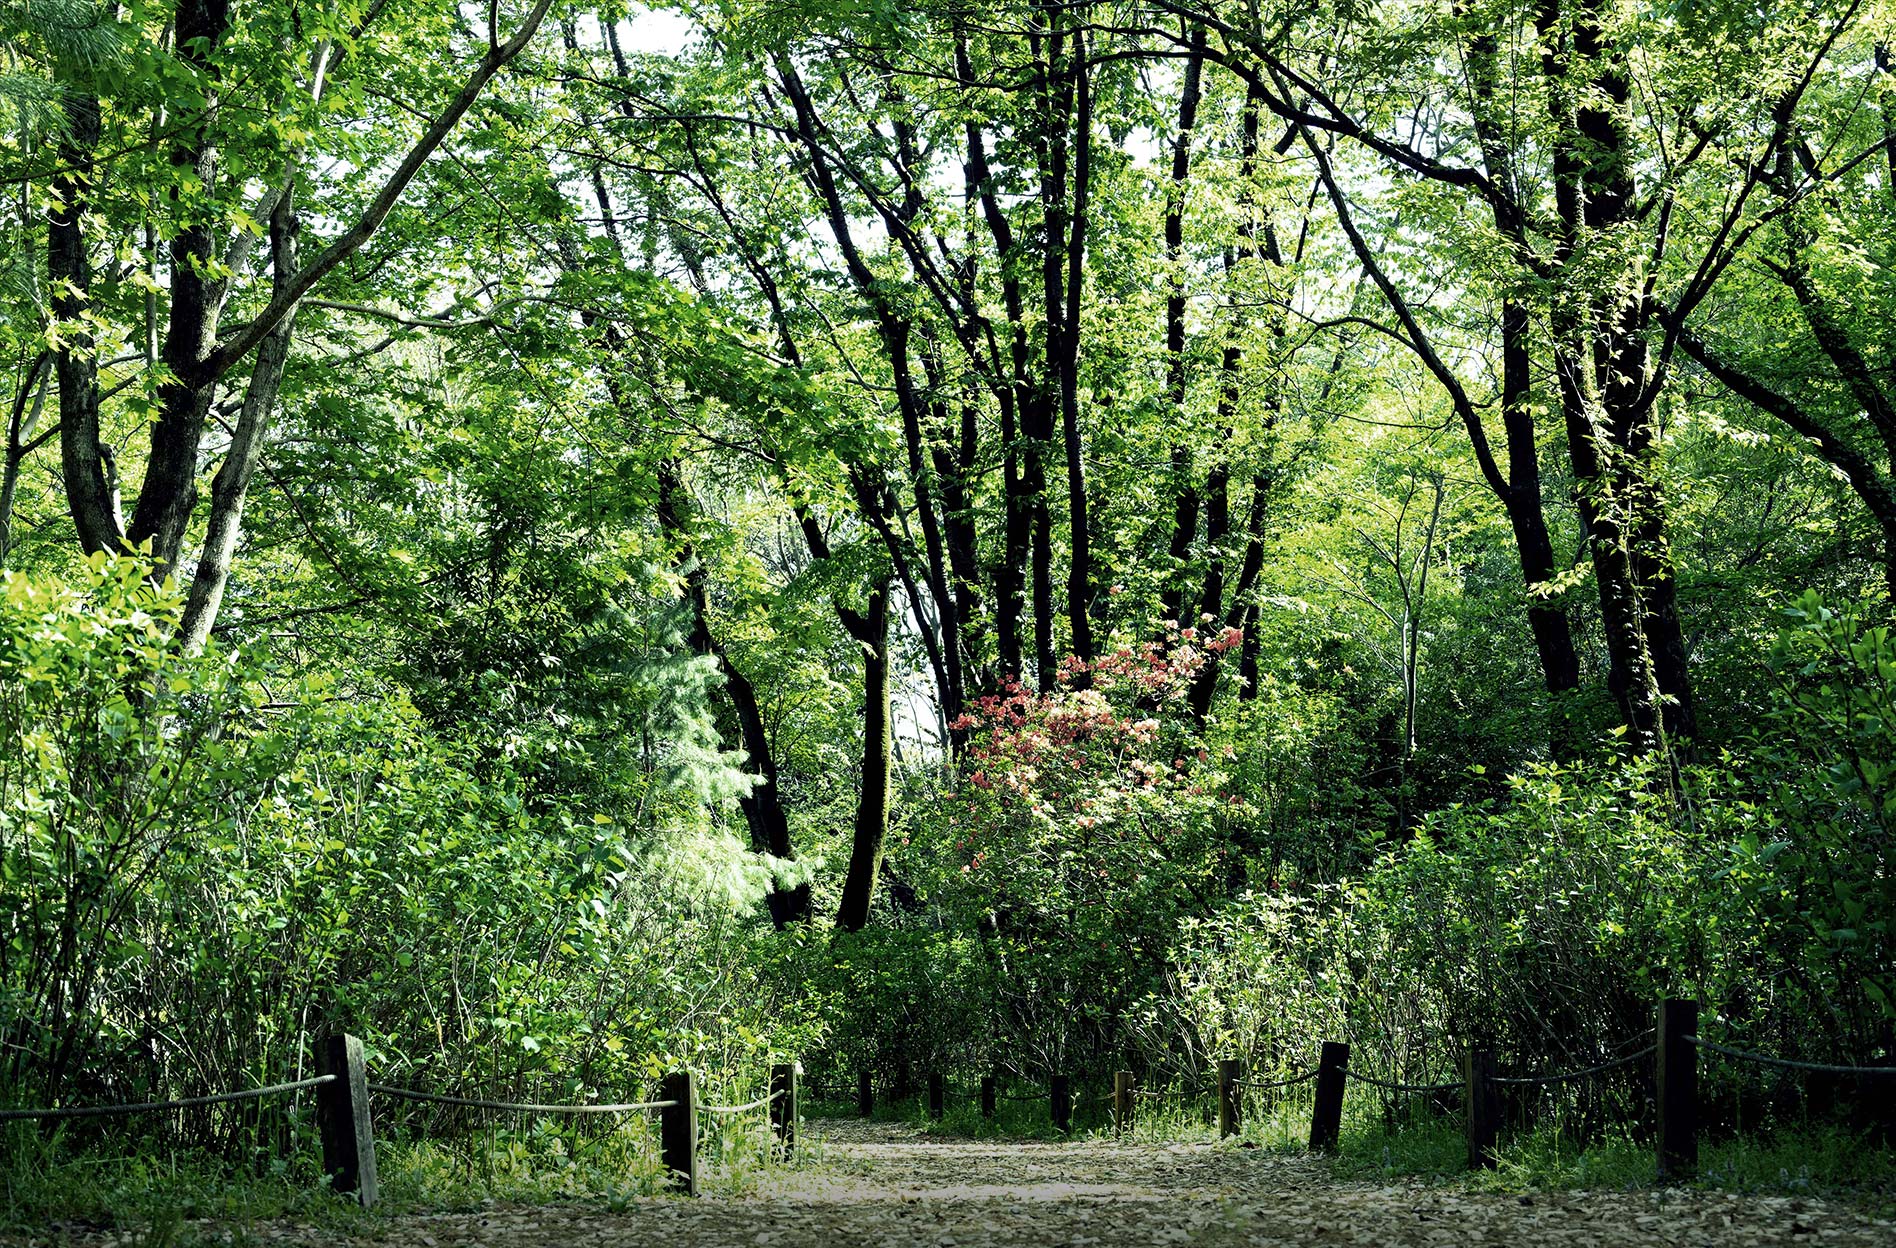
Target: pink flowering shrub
1087,820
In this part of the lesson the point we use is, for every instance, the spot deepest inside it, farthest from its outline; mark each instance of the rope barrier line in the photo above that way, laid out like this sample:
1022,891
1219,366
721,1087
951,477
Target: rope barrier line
1615,1064
1789,1064
1400,1087
155,1107
1306,1077
738,1109
523,1107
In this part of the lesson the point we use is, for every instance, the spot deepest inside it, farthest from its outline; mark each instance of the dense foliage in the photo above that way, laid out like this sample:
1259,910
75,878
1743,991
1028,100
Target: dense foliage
573,540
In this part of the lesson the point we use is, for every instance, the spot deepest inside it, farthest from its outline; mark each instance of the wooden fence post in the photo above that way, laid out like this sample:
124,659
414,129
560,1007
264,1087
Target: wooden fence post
987,1096
678,1130
1481,1106
1230,1117
1326,1117
1060,1101
783,1108
1875,1112
1122,1100
937,1096
1675,1085
865,1095
342,1118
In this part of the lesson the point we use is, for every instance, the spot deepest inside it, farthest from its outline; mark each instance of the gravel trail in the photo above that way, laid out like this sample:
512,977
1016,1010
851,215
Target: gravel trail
880,1183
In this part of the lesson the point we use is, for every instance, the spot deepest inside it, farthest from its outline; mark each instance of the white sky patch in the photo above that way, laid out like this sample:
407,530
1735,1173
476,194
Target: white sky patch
663,32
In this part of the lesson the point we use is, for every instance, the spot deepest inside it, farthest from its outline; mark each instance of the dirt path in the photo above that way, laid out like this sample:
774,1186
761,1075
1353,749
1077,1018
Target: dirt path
884,1184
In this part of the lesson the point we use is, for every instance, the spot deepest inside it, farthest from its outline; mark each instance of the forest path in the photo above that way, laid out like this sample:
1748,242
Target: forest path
883,1183
888,1184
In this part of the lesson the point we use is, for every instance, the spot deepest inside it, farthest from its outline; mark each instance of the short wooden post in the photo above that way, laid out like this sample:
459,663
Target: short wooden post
937,1096
987,1096
1060,1102
678,1130
1481,1106
1326,1117
1122,1100
1230,1071
783,1104
865,1095
1675,1084
342,1119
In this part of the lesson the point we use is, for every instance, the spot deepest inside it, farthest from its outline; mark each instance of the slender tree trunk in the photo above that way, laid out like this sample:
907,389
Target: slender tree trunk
1183,481
871,632
231,487
1009,574
22,427
1553,632
763,806
1067,367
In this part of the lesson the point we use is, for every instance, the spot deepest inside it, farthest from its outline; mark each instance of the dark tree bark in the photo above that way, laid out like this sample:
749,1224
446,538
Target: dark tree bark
87,464
1608,425
1012,393
169,493
1065,362
870,629
1183,480
23,438
1551,629
897,333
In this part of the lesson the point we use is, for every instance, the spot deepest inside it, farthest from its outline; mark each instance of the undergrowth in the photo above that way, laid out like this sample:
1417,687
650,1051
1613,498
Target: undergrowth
171,1200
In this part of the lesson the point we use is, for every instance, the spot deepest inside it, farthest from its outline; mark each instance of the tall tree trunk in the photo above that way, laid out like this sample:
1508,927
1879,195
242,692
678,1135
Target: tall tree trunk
86,463
1009,573
897,332
1066,366
871,633
169,492
1551,629
1592,192
1183,480
1621,366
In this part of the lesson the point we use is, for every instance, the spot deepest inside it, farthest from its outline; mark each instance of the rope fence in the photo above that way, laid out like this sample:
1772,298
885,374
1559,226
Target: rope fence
1392,1086
1268,1085
159,1107
514,1107
344,1094
1550,1080
746,1107
1671,1049
1785,1063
